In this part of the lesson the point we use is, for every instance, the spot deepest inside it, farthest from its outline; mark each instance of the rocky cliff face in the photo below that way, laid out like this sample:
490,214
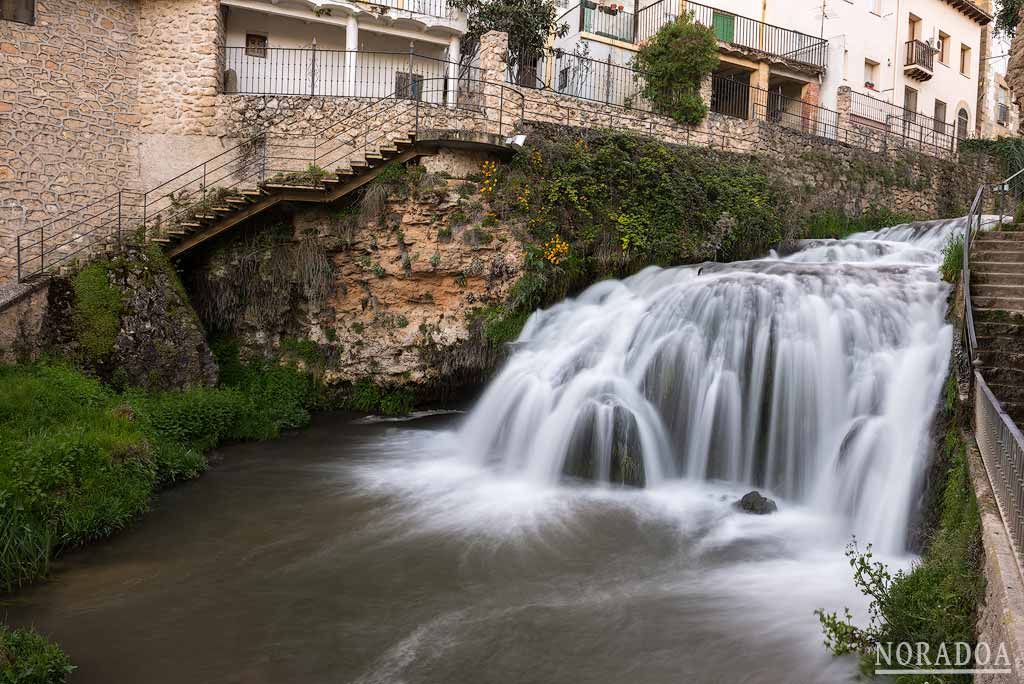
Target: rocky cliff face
383,290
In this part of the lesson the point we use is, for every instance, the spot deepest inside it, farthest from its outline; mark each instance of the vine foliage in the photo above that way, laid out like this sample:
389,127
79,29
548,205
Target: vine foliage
673,64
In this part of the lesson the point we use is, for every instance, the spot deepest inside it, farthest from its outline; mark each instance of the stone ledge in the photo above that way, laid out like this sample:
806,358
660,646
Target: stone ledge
1001,619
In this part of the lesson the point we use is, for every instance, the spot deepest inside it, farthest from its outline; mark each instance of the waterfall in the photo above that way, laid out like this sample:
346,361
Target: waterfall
813,377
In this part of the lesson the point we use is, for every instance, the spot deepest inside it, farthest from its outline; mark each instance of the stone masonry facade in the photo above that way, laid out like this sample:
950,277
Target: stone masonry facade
68,94
124,94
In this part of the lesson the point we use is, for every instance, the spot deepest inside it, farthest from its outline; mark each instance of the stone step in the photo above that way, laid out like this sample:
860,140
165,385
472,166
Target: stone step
998,328
1005,343
1006,393
1008,304
987,253
999,236
997,358
996,277
1003,376
997,290
983,266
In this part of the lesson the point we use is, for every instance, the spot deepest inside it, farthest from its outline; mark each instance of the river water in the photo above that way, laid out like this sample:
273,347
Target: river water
501,545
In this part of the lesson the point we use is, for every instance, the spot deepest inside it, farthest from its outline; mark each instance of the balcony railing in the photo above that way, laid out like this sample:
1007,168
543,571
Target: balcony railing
430,8
737,30
340,73
887,117
741,100
920,61
605,21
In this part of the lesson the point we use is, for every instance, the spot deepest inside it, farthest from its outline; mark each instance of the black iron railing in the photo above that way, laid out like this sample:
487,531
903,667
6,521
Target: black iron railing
920,54
581,77
741,100
338,73
430,8
925,131
743,32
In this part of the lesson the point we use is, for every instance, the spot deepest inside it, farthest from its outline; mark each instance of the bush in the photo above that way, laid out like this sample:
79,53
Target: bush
26,657
672,65
837,224
952,259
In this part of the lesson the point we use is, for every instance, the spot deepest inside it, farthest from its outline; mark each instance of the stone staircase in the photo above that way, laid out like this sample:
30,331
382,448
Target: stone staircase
228,208
997,293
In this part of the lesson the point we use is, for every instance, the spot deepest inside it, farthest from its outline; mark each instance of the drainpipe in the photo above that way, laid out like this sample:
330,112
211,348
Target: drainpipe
896,53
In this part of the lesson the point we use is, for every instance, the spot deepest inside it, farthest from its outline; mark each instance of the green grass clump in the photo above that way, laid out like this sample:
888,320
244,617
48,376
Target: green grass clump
952,259
836,224
368,397
97,312
26,657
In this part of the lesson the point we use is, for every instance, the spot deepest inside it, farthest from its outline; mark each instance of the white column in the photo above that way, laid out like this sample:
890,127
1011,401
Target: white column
351,56
454,55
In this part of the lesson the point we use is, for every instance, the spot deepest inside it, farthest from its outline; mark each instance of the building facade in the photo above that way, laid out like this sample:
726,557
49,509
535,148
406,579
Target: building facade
916,64
999,115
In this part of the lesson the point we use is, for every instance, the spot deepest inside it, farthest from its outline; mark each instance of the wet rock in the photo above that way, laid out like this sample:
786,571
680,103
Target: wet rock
754,502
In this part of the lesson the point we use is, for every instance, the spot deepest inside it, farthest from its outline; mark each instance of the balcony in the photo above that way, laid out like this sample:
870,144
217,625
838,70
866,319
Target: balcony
920,62
745,35
604,19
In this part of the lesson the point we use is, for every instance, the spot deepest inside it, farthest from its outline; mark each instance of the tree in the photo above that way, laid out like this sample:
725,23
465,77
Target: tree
1008,16
528,24
672,66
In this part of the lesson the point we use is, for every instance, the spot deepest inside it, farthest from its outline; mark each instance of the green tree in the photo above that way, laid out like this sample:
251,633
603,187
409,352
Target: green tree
1008,16
528,24
672,65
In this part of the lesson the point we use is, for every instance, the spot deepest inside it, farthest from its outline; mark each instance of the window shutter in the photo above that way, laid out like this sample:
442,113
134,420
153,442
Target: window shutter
22,11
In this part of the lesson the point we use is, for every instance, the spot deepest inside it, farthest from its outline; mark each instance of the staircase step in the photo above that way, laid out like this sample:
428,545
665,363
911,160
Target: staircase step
996,277
987,254
285,186
223,210
237,202
1011,393
984,266
207,217
255,194
1003,376
1005,343
161,240
191,225
1009,304
996,290
992,358
999,236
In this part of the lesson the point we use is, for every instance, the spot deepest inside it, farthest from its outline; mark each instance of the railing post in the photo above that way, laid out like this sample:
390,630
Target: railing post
312,70
501,112
42,254
608,79
18,248
411,86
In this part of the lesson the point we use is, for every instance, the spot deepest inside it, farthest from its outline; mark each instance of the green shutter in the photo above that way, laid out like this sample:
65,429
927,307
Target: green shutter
724,26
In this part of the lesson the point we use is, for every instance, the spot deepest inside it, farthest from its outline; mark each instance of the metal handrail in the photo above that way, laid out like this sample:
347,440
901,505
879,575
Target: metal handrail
999,439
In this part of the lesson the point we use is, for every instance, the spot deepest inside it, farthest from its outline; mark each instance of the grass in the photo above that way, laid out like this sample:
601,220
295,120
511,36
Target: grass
836,224
952,259
79,461
98,306
26,657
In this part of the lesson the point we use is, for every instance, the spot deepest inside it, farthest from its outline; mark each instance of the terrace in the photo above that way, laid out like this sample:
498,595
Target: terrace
609,19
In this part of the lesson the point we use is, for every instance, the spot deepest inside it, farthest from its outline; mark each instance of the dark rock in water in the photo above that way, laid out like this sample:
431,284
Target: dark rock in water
753,502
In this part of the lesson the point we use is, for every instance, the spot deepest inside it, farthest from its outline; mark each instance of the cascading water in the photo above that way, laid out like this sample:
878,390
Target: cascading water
814,376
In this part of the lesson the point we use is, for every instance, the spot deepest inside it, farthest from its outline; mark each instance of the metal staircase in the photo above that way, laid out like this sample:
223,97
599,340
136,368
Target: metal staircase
273,166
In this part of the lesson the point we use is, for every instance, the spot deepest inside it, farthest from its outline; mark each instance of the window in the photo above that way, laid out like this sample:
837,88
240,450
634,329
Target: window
914,29
21,11
1002,107
870,73
962,119
940,116
965,60
909,102
255,45
943,47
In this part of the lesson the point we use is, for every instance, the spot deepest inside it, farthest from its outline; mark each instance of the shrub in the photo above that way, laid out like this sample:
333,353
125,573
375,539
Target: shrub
952,259
837,224
26,657
672,65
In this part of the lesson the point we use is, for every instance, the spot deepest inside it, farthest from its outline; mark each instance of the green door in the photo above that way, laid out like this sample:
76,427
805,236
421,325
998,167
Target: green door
724,26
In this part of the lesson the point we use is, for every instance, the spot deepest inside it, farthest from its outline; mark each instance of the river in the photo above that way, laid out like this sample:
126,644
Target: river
456,548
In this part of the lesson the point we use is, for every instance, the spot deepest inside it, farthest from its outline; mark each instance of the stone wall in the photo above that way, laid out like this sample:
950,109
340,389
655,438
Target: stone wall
68,93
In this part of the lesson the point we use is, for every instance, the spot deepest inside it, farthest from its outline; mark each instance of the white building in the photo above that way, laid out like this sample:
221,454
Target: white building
913,65
341,48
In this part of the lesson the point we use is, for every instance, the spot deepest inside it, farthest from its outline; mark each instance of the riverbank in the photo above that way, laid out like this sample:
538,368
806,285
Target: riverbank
80,461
